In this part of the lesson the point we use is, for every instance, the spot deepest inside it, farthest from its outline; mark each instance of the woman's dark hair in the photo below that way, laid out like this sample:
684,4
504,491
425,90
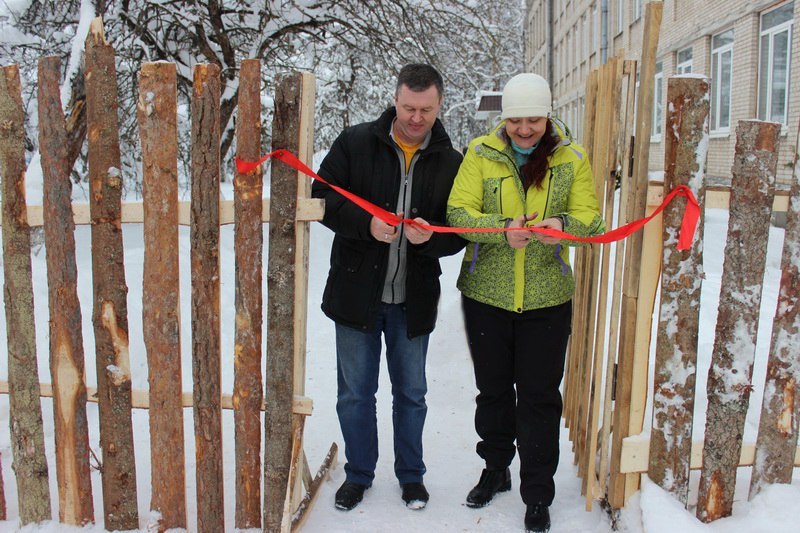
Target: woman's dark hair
535,168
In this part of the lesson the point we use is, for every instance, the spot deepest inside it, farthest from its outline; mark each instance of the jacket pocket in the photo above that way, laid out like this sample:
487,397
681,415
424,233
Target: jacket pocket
493,194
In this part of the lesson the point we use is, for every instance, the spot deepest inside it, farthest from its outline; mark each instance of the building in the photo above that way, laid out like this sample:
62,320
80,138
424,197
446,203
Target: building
745,47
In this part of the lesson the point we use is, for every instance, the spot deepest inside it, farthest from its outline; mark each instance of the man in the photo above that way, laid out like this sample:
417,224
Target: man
384,280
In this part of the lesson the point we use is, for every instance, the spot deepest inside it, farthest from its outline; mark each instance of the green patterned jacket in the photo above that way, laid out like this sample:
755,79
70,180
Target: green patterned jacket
488,191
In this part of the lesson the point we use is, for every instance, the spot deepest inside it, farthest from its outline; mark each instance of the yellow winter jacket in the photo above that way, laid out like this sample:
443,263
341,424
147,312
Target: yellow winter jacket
488,191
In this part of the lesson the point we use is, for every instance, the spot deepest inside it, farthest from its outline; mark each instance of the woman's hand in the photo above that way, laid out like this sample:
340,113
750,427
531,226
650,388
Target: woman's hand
520,239
549,223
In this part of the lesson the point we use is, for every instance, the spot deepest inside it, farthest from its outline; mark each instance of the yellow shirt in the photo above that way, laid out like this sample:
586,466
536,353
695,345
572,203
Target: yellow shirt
408,150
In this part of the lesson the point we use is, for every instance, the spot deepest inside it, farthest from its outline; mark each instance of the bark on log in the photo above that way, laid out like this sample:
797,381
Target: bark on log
157,115
248,243
25,411
67,366
281,310
780,410
110,312
686,136
730,375
204,236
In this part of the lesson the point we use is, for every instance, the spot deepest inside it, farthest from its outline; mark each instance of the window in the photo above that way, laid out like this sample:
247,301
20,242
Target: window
721,70
637,9
773,63
585,38
595,29
658,109
684,61
620,15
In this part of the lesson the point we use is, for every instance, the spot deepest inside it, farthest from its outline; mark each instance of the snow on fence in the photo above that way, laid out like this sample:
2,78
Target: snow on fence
290,214
606,382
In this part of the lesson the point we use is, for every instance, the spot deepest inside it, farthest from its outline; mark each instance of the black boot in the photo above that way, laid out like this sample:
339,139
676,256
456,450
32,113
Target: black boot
491,482
537,519
349,495
415,495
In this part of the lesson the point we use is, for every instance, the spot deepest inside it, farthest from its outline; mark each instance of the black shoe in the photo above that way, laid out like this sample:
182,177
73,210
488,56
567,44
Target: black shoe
491,482
537,519
349,495
415,495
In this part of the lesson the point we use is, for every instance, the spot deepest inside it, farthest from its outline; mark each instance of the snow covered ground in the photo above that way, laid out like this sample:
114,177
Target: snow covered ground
453,466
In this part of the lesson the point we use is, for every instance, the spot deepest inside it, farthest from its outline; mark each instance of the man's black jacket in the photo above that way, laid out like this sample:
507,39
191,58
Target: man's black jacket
363,160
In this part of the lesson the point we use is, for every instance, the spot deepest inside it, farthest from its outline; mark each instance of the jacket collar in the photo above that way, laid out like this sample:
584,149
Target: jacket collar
437,138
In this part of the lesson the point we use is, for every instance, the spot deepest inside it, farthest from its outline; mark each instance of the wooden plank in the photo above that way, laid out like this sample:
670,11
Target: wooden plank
624,152
328,464
204,237
780,410
601,171
636,455
305,151
67,366
686,137
577,342
25,411
110,310
280,309
615,72
628,377
157,115
730,375
248,245
3,513
140,399
308,209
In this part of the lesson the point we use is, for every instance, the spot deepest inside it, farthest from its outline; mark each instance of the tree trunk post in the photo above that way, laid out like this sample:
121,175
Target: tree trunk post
281,313
204,237
67,364
780,410
686,136
157,116
729,378
110,314
248,393
25,411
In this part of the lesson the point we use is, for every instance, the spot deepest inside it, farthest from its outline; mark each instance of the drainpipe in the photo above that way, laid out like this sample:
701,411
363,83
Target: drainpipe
550,59
603,31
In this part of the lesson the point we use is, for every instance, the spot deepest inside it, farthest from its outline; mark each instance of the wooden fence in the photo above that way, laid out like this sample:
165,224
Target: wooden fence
283,503
606,385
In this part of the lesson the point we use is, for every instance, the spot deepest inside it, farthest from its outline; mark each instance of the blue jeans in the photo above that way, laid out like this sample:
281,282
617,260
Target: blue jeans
358,355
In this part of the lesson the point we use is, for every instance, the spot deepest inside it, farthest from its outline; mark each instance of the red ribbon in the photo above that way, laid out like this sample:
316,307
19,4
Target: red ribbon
688,225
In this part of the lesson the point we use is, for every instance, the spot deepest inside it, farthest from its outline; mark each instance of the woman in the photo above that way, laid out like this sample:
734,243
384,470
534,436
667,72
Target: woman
517,287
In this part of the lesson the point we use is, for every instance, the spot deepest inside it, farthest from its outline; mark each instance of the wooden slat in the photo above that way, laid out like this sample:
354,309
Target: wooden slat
280,310
729,378
204,237
140,399
628,377
248,245
308,209
25,411
157,115
624,151
780,410
308,500
686,137
615,67
636,455
110,310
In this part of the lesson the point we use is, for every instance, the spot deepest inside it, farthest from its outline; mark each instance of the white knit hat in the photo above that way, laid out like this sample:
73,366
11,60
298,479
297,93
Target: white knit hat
526,95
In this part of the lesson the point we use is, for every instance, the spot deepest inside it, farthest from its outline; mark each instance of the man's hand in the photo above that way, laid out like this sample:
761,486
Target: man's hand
416,234
520,239
381,231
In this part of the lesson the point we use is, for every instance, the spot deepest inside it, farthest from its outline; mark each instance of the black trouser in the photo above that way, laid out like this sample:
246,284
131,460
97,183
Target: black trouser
525,350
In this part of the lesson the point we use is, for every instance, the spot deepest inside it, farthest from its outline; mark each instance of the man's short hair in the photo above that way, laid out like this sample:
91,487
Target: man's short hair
419,77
